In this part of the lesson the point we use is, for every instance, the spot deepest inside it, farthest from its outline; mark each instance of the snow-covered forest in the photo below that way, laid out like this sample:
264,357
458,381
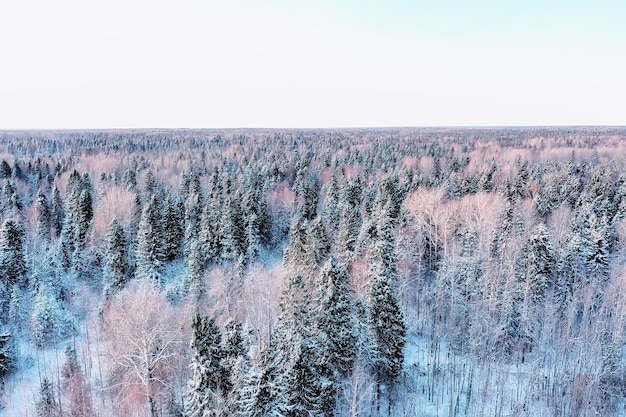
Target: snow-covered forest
391,272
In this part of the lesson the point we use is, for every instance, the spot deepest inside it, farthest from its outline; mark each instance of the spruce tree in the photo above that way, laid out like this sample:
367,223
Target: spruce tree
386,317
336,319
43,217
195,271
203,396
46,405
538,263
57,212
12,258
116,260
149,254
172,230
7,355
193,210
317,243
230,229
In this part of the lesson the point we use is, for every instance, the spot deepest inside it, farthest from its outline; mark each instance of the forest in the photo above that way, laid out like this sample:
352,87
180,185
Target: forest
350,272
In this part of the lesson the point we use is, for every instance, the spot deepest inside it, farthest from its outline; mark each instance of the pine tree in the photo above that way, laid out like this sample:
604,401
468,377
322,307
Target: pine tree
317,243
386,318
57,212
49,321
538,263
47,405
12,258
330,205
83,218
209,234
295,257
43,217
116,260
195,271
295,384
336,320
172,230
234,350
203,393
7,355
230,229
149,252
5,169
193,210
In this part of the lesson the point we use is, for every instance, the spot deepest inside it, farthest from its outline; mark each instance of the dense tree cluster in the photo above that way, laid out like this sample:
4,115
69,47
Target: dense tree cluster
321,273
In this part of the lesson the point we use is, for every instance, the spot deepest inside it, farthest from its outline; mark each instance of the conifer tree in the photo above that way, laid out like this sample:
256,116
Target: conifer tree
172,230
7,355
57,212
149,253
538,262
230,229
209,234
5,169
193,210
12,257
195,271
43,217
234,349
83,218
317,243
116,260
330,205
203,397
47,405
336,319
386,317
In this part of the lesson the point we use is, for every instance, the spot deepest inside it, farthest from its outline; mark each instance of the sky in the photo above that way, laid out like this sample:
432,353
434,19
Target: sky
77,64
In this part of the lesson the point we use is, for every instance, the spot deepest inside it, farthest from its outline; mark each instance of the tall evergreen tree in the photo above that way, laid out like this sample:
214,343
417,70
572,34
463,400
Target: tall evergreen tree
203,397
538,263
195,271
43,217
336,320
7,355
47,405
57,212
116,260
172,230
386,317
12,257
149,252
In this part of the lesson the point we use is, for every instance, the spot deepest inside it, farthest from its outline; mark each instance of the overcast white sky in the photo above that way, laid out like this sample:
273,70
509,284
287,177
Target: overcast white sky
278,63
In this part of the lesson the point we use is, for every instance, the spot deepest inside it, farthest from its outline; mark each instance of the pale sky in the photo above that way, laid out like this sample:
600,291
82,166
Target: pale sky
277,63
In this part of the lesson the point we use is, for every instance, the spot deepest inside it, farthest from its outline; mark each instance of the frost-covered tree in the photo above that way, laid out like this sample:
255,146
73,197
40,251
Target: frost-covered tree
12,256
538,263
336,319
43,217
7,354
231,229
172,229
386,317
47,405
149,254
115,261
317,243
195,271
49,321
193,211
204,397
57,212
